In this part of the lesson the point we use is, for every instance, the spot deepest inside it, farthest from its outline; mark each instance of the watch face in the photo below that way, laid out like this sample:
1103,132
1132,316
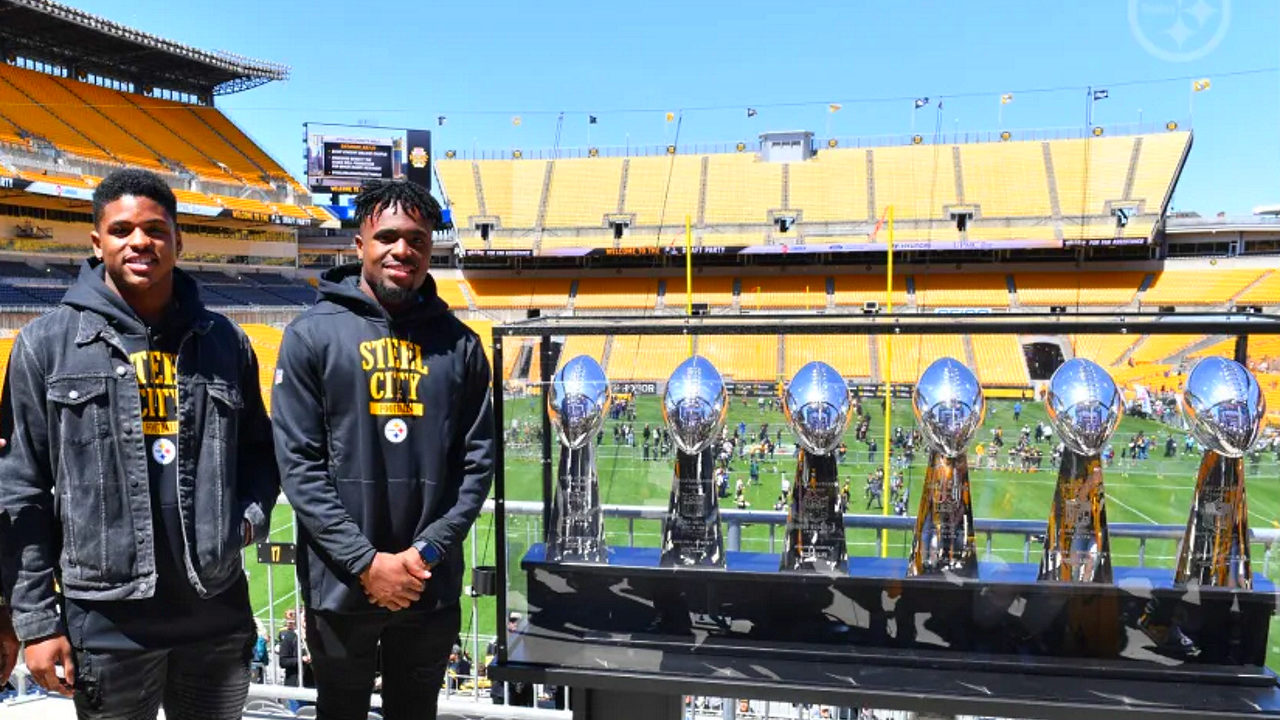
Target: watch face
429,554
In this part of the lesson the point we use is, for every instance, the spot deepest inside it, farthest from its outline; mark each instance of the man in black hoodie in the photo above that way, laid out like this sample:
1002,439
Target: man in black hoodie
133,476
384,435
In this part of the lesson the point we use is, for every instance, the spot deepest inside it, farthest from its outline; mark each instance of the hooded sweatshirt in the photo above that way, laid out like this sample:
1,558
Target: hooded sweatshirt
384,437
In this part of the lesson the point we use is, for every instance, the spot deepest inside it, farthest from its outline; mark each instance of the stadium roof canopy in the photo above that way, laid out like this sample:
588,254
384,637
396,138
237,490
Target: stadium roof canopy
56,34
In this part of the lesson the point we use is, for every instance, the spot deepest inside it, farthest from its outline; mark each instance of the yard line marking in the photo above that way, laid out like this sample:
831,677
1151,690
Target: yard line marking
1132,509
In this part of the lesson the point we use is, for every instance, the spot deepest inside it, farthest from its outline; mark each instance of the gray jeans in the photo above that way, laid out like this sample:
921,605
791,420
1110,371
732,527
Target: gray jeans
208,680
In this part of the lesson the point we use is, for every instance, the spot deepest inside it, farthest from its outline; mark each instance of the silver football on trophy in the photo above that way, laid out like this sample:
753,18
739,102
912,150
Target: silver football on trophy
817,405
1224,406
1084,405
695,404
949,405
578,400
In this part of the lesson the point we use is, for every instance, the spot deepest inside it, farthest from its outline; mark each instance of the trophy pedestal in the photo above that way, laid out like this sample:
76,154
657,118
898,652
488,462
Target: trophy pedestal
1139,626
576,532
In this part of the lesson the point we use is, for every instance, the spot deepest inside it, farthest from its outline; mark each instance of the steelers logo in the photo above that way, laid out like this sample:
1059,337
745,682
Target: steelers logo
396,430
418,157
164,451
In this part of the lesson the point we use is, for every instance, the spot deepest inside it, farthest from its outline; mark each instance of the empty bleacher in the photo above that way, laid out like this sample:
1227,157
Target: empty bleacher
961,290
616,293
1264,292
1157,348
999,360
645,357
648,193
987,170
498,293
913,353
832,186
741,189
582,191
1102,349
853,291
266,345
918,181
716,292
850,355
797,291
513,190
1082,287
741,357
1214,286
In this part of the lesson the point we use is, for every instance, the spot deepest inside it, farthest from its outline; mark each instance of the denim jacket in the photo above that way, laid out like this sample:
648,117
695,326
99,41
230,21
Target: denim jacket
74,478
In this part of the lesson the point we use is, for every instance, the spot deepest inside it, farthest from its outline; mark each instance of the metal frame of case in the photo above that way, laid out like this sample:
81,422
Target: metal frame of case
1011,690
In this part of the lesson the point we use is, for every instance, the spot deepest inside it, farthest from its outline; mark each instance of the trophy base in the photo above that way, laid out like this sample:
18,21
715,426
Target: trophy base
1142,626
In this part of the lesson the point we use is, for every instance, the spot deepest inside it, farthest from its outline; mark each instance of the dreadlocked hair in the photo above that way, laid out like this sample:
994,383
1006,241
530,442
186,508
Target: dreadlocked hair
377,196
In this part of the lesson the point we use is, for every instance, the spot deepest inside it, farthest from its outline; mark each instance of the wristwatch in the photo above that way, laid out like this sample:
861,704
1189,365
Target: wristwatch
430,553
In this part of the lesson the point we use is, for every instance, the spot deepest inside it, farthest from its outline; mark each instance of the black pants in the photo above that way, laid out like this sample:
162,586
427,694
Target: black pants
208,680
414,652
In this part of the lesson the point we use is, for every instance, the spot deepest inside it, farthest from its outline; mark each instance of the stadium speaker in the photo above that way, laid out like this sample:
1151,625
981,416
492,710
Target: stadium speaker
593,152
1097,131
832,143
699,309
671,149
1006,135
517,154
532,313
741,146
916,139
870,307
1171,125
1057,309
450,154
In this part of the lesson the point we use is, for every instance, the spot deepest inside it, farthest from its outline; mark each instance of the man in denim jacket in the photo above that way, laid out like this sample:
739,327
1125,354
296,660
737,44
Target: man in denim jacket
138,464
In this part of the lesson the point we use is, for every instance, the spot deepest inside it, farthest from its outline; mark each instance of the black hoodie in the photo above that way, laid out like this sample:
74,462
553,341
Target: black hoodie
384,436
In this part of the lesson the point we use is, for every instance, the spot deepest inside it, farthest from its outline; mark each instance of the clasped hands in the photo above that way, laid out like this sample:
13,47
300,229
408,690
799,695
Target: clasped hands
395,580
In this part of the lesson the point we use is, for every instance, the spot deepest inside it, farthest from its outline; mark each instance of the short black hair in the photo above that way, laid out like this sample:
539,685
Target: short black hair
136,182
378,195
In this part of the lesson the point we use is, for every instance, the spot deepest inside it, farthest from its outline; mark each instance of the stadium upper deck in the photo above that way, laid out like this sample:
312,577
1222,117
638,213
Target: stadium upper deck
1103,190
81,96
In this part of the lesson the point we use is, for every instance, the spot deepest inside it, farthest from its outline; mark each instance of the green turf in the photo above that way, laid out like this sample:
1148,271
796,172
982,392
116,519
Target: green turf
1157,490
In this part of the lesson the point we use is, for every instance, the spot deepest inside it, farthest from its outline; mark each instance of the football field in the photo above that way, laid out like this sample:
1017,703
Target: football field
1156,490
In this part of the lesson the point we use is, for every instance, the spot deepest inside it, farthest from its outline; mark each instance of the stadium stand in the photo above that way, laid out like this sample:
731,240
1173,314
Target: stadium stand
800,291
582,191
1105,350
741,189
986,170
491,293
918,181
1198,287
645,357
1082,287
266,344
513,190
647,190
830,187
1090,172
998,360
1265,291
962,290
590,345
852,291
616,293
716,292
457,177
850,354
913,353
1157,348
741,357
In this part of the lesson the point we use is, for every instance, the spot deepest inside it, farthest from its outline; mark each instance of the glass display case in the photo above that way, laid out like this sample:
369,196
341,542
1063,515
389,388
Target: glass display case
1009,514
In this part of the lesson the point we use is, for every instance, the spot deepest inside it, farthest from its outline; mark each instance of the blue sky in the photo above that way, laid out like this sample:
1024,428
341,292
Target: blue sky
403,63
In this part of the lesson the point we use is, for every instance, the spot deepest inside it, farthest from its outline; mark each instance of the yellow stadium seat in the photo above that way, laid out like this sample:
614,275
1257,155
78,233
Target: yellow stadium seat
582,191
741,189
620,292
647,189
961,290
913,353
850,355
999,360
1083,287
1207,286
646,357
830,186
742,357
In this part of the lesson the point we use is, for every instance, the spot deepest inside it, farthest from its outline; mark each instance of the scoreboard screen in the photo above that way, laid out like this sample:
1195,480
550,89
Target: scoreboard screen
342,164
341,160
